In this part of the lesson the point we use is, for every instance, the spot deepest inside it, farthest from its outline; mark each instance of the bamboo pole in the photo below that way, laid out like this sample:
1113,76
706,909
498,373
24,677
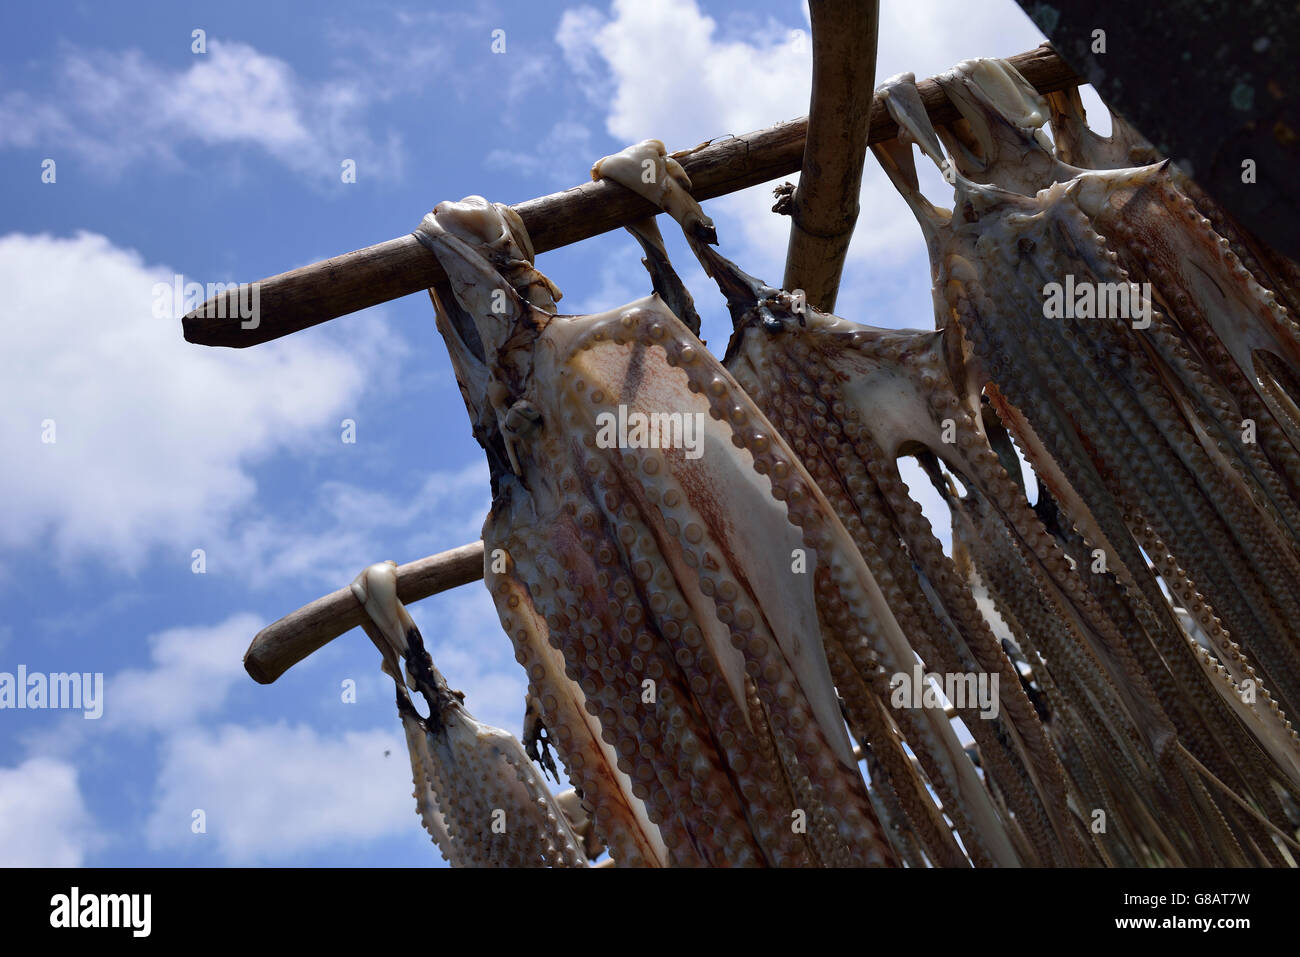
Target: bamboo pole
284,643
824,209
334,287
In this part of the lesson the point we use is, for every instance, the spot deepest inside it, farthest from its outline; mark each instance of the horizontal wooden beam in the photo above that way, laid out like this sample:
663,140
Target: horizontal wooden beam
305,297
284,643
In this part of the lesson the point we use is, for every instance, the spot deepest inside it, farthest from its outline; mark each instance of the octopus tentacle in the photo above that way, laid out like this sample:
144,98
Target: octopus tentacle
667,284
870,720
477,792
984,540
619,817
827,428
906,844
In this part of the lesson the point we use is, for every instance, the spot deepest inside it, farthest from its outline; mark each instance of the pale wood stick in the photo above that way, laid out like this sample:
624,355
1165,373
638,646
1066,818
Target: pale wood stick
1233,795
825,206
284,643
334,287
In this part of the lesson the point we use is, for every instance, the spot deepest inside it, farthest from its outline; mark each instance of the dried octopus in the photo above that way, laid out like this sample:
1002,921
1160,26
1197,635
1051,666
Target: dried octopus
1181,373
705,619
823,379
1097,412
682,602
480,797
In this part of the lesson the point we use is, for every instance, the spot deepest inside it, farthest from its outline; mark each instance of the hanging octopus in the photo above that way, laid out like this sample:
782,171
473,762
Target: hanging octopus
998,142
792,346
709,569
989,266
679,593
484,803
1038,834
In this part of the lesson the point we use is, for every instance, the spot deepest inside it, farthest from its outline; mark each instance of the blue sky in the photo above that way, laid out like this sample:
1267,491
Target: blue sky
225,166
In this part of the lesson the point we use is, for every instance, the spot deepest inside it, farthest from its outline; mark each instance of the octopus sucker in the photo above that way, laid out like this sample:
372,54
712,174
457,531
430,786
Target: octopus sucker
479,796
619,818
668,563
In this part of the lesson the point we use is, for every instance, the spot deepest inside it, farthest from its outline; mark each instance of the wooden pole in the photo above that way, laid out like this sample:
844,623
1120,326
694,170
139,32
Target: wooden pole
825,204
398,267
284,643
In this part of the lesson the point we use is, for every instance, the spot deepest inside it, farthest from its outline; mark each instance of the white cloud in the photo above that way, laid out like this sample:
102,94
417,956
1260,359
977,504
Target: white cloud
192,671
345,527
43,817
664,70
674,80
272,792
579,27
116,109
154,435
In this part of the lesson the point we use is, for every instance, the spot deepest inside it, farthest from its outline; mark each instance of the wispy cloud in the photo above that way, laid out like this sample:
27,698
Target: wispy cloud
560,158
118,109
344,527
192,671
122,438
271,792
